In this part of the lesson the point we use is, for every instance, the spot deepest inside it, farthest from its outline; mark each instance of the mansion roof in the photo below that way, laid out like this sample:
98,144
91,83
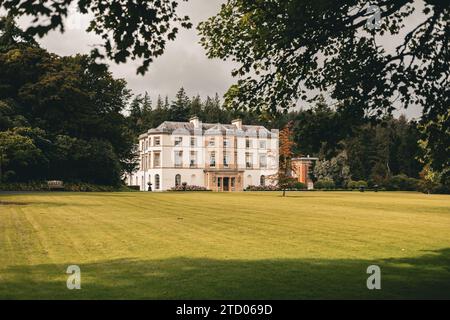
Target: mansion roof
188,128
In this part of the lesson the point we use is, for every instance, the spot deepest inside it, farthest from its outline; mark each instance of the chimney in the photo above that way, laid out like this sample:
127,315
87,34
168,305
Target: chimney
195,121
237,123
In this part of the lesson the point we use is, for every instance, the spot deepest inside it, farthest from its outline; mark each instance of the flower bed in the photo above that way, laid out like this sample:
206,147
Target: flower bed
262,188
188,188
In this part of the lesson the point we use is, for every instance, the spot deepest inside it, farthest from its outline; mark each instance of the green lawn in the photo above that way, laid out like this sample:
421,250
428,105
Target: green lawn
224,245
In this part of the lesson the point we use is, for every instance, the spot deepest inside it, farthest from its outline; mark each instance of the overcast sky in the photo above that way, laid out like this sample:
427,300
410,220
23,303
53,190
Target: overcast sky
183,64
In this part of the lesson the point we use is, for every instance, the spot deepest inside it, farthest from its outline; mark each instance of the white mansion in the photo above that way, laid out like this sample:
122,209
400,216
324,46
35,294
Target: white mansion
220,157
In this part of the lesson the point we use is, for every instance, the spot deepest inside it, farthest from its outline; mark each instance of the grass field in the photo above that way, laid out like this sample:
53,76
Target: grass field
224,245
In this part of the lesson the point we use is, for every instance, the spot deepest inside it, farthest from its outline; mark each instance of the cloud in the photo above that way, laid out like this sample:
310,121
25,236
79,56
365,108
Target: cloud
184,62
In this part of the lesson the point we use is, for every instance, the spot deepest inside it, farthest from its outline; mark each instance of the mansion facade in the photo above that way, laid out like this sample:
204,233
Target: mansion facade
219,157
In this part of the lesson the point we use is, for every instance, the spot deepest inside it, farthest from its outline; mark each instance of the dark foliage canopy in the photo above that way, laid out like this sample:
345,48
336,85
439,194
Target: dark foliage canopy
60,117
287,49
129,29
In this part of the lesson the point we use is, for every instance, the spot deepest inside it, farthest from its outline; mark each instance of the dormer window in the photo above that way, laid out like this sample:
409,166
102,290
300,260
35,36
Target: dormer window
178,141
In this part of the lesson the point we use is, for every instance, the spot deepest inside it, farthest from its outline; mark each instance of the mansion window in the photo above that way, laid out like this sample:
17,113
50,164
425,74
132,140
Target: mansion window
178,158
212,159
156,160
157,141
226,159
248,160
262,144
262,161
193,159
144,163
212,142
262,180
248,143
226,143
178,141
177,180
193,140
157,184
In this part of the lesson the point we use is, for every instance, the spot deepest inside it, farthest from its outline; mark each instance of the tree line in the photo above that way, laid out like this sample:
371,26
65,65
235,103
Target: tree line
349,147
68,118
60,117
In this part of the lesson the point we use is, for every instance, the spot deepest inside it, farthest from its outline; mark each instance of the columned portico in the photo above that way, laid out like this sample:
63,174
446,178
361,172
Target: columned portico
224,180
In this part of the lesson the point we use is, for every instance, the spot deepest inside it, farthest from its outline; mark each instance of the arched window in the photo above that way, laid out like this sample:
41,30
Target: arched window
177,180
156,181
262,180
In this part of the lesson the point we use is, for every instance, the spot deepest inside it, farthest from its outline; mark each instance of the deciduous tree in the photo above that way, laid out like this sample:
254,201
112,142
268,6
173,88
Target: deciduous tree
128,29
284,177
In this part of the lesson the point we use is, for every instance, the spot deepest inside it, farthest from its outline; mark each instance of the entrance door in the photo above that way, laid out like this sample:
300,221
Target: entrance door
226,184
219,183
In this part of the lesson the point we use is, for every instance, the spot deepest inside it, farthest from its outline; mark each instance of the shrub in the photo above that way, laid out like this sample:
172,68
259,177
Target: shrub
352,184
89,187
357,184
299,186
325,183
262,188
29,186
68,186
402,182
186,187
361,184
427,186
